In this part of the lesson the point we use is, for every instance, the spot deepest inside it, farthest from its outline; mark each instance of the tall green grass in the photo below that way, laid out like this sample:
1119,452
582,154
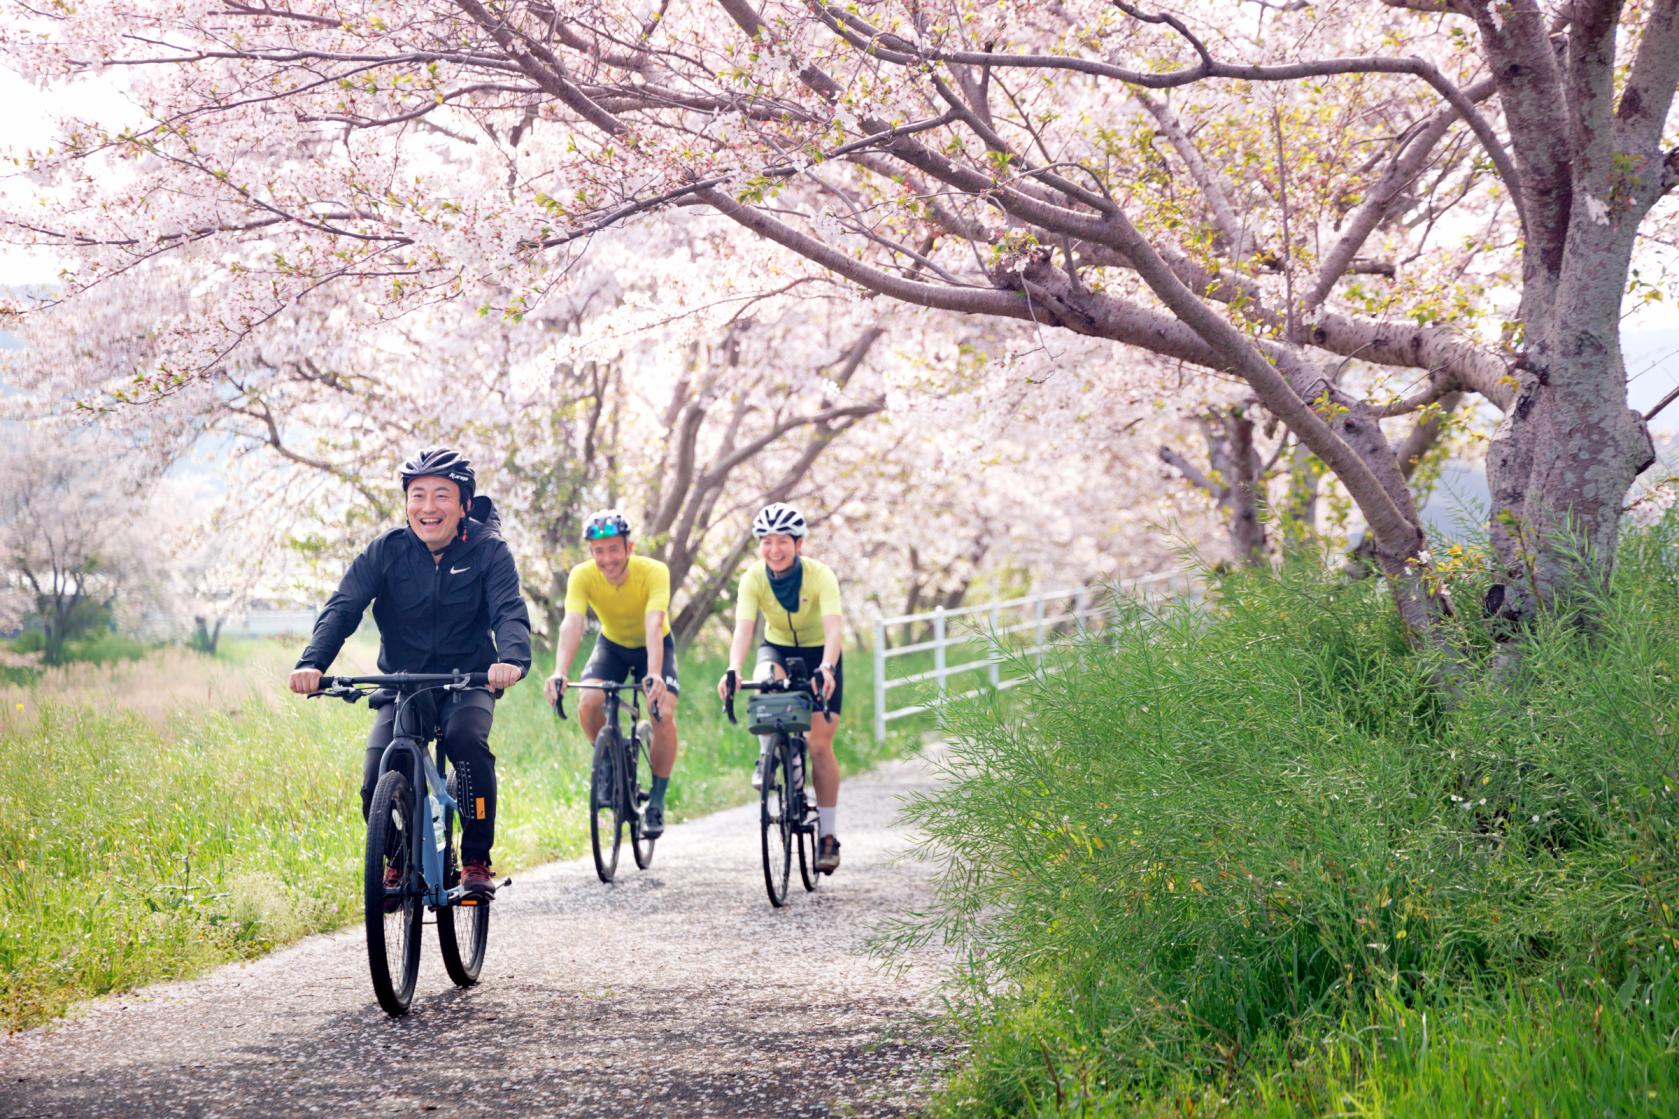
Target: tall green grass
152,825
1231,861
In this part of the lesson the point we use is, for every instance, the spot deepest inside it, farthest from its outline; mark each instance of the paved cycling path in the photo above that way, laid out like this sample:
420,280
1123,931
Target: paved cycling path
678,991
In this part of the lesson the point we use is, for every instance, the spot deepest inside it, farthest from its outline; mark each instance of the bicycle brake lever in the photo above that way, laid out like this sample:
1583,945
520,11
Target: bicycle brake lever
729,699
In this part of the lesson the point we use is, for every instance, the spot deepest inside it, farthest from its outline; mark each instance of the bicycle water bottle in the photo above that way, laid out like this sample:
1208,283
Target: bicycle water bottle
797,775
436,821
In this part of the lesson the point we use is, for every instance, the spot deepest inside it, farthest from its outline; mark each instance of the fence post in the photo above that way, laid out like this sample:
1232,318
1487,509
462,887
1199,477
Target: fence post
1038,617
880,680
938,647
993,670
1079,605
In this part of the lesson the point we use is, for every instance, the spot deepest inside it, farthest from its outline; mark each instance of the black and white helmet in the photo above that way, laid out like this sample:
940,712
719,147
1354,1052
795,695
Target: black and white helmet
780,519
442,462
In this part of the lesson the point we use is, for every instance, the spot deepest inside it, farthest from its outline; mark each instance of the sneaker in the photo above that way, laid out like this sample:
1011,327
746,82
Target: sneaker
653,821
827,854
393,881
477,878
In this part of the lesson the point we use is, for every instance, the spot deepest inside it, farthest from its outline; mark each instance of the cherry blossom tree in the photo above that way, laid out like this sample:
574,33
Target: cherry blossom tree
1355,210
71,542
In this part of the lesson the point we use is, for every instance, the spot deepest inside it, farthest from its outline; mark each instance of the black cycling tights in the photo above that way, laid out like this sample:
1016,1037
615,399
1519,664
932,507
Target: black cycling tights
466,742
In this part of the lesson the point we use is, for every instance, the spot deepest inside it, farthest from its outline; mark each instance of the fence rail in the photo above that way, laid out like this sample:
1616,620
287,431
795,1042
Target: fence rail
1044,615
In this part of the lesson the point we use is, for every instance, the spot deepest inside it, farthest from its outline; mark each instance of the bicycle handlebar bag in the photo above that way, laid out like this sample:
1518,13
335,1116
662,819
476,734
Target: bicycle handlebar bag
779,711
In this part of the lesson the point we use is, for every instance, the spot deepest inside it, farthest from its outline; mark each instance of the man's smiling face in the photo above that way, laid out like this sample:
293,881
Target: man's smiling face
434,510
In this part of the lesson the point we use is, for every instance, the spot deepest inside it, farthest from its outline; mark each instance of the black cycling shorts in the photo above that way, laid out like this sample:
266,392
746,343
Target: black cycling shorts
771,653
616,663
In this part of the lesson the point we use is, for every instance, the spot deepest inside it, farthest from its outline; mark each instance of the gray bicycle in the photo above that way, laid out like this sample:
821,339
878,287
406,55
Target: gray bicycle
411,863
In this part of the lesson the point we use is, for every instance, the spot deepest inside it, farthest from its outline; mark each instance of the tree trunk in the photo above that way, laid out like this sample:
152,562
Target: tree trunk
1234,479
205,636
1300,511
1235,461
1561,464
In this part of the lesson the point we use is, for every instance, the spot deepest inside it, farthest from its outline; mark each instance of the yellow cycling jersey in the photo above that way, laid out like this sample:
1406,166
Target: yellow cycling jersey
622,609
819,597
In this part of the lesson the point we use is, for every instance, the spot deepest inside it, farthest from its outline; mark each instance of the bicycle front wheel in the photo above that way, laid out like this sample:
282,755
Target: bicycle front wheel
640,765
463,929
606,802
775,827
391,895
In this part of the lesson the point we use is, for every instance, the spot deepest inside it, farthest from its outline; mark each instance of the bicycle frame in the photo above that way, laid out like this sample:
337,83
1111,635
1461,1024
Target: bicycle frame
424,775
614,707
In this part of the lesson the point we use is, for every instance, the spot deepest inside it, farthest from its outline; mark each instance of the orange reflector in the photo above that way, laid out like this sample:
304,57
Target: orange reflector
477,808
469,901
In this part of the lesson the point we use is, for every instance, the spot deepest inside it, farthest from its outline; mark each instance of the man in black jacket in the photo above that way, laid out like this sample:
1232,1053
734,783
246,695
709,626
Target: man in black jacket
445,597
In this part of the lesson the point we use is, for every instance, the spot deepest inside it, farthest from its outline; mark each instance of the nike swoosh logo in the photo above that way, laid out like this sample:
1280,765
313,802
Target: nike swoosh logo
458,570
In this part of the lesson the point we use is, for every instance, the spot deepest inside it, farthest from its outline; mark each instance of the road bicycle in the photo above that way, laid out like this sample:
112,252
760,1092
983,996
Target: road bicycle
412,863
616,795
786,816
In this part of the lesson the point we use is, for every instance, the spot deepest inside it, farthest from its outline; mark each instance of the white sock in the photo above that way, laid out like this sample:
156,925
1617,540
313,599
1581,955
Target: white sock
765,741
825,819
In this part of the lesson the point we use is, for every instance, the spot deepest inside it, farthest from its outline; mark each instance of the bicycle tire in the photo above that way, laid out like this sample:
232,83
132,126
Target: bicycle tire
639,760
606,815
774,827
807,839
465,923
393,939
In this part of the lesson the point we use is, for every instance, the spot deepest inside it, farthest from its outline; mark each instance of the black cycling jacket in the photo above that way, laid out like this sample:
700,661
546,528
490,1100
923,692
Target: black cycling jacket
432,617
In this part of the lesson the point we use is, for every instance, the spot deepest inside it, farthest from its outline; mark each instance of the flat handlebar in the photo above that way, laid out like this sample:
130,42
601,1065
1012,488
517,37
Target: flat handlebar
352,688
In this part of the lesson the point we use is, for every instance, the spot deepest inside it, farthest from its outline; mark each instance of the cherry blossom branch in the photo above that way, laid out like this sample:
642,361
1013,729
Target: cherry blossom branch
1378,203
1211,185
1648,97
1439,385
892,48
1189,470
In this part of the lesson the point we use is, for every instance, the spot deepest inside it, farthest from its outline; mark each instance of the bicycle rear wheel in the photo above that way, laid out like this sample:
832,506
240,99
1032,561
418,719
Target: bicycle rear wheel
463,929
606,802
775,827
392,913
640,763
807,833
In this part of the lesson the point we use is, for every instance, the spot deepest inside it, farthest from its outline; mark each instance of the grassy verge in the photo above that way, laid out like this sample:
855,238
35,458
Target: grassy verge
163,815
1248,862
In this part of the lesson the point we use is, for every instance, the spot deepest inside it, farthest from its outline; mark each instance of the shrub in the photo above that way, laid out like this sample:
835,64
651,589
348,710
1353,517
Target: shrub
1217,837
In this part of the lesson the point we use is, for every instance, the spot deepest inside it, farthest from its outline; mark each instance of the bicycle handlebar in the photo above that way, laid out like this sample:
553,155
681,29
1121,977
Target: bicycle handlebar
559,697
784,684
352,688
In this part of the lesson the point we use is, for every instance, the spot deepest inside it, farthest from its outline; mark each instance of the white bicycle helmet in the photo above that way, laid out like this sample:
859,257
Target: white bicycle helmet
781,519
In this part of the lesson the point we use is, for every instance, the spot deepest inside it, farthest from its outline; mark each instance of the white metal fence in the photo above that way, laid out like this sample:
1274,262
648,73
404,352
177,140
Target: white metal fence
964,635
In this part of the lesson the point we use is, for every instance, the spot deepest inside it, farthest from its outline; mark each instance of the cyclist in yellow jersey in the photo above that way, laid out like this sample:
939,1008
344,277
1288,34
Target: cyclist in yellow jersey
630,594
800,600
